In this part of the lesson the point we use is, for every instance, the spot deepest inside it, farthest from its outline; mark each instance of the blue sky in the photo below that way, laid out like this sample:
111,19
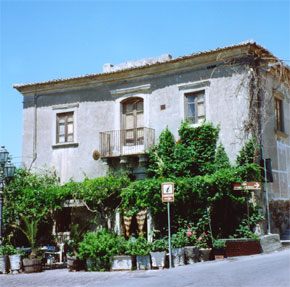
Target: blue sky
45,40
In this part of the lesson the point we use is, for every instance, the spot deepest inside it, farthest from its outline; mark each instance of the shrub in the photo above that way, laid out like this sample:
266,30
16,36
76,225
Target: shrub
99,247
159,244
139,246
7,249
178,239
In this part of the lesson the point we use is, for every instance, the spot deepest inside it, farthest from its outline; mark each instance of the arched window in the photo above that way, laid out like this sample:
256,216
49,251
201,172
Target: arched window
132,121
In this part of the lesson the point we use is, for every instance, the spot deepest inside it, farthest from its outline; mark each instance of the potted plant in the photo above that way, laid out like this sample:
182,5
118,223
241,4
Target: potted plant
29,229
5,251
204,250
219,248
74,263
177,245
141,248
158,252
98,249
123,260
191,251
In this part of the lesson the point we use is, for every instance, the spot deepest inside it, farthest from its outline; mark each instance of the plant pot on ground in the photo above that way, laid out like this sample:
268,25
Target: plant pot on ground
141,248
177,244
29,229
219,249
158,252
122,261
98,249
204,250
5,251
74,263
14,261
191,251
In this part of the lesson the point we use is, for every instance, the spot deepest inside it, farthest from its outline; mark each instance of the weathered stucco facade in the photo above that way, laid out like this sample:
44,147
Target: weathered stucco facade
235,87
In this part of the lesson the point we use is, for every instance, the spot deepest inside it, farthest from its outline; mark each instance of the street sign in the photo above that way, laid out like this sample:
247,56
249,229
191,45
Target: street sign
248,185
167,191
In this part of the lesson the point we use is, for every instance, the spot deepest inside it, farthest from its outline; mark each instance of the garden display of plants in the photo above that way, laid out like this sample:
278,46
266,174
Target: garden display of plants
203,178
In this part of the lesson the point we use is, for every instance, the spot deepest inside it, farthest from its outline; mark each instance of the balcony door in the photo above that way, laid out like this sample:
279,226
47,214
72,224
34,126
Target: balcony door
133,122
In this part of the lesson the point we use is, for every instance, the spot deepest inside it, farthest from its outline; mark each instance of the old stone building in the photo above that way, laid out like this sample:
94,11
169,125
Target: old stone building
93,123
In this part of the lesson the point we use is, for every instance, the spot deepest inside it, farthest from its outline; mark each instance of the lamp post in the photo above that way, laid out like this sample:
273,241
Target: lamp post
7,170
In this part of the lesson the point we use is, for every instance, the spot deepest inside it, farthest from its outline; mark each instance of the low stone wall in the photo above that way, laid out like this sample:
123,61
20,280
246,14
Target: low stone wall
280,215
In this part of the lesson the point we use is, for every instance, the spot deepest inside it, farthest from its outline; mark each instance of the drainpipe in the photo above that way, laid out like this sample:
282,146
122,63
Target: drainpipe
34,131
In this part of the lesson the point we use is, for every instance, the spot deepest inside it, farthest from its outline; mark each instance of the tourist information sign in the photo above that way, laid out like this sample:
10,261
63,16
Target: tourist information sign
248,185
167,192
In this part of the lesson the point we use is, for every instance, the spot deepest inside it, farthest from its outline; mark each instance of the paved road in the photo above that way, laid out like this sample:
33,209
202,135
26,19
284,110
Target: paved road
267,270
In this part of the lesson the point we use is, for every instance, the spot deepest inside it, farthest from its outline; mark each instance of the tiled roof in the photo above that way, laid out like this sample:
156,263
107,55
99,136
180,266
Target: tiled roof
56,81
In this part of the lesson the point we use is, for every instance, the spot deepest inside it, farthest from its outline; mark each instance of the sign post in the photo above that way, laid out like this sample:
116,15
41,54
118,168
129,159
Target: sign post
167,191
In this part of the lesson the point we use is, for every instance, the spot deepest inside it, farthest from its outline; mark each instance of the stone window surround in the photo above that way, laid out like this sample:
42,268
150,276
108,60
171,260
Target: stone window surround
195,87
118,108
59,109
279,133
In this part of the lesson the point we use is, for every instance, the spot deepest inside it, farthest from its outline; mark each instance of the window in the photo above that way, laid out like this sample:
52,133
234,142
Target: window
279,115
194,107
65,127
133,121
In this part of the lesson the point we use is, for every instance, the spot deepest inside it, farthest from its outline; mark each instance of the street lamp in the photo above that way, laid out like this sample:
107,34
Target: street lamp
7,170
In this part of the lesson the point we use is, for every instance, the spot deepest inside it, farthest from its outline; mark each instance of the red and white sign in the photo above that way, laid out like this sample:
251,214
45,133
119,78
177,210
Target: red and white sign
248,185
167,191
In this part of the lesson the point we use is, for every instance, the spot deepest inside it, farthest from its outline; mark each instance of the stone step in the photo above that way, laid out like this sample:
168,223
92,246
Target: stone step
285,243
286,235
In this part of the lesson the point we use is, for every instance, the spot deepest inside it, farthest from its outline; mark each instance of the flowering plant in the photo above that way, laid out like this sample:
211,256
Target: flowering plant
190,238
202,240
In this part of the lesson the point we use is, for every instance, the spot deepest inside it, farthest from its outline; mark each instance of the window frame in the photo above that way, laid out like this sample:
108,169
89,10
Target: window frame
196,102
66,134
278,114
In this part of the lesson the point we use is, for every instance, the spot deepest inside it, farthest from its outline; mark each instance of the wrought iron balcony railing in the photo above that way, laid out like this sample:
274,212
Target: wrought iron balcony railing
126,142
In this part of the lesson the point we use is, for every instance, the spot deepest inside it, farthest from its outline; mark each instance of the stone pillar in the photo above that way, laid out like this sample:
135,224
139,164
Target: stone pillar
150,226
118,224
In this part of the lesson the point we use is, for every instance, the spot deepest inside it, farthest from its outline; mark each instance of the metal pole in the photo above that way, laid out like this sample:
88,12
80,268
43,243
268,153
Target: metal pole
168,211
1,202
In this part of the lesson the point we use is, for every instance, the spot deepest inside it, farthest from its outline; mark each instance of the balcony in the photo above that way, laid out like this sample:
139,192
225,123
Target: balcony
126,142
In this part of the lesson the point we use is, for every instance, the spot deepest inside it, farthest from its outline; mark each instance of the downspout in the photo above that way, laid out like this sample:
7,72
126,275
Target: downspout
34,148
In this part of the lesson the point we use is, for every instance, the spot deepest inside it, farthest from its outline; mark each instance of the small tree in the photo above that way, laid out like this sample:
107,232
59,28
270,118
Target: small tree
30,200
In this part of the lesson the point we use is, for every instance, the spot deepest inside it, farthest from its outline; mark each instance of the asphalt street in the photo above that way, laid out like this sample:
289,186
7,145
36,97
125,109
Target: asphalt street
265,270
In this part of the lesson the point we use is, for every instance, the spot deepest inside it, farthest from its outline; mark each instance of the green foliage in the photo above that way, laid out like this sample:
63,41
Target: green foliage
29,201
76,236
247,224
191,238
99,247
248,153
221,158
161,156
29,229
193,154
7,249
141,195
178,239
103,193
139,246
219,244
160,244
